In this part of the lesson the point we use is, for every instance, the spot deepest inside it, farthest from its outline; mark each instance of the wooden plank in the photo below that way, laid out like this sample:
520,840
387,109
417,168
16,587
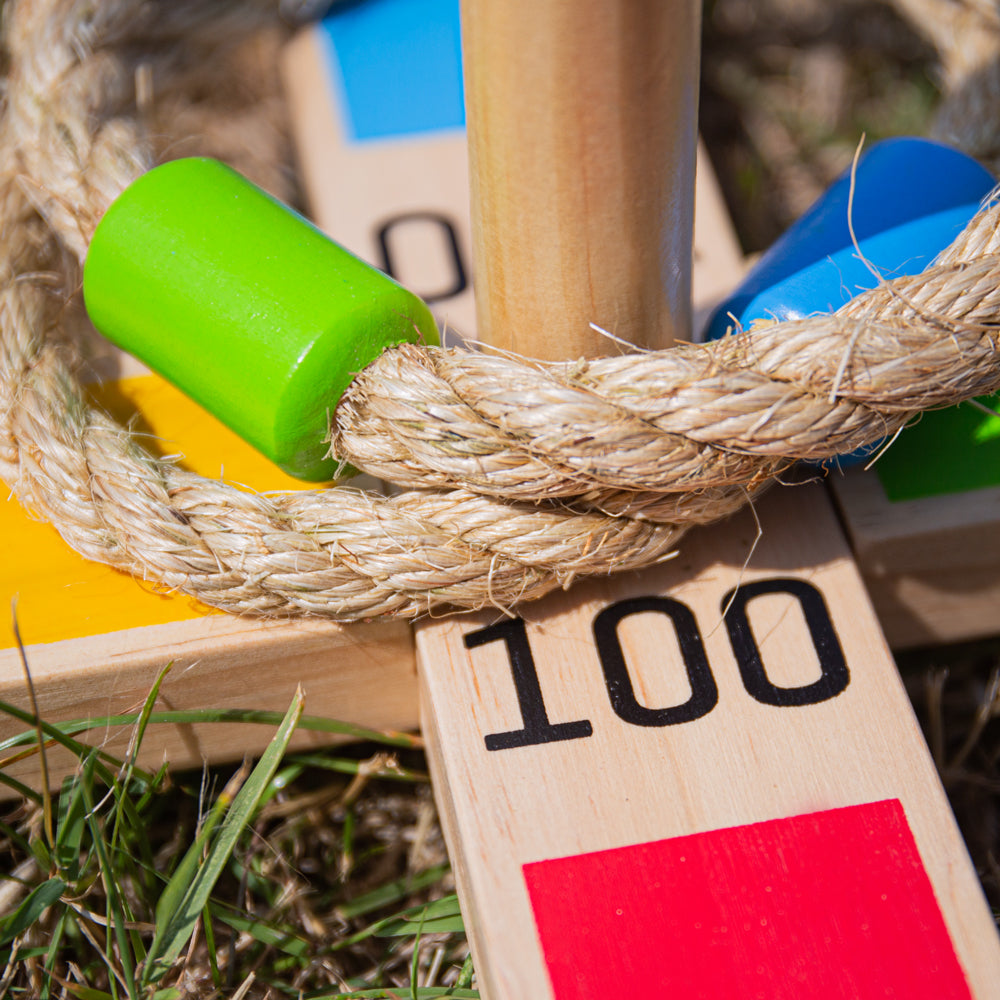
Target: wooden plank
392,187
682,741
936,606
416,184
363,674
96,638
645,784
931,562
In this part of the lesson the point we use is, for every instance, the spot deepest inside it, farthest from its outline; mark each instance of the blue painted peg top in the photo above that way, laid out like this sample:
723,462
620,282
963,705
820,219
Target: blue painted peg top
912,197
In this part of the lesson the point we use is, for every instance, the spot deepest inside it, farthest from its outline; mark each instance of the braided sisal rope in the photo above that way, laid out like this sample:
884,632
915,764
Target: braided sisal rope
601,464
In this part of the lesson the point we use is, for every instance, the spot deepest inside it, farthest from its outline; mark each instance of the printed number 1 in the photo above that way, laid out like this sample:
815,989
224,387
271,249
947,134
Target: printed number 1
537,728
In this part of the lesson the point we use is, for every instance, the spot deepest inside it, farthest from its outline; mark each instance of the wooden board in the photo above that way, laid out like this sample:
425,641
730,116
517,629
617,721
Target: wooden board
655,788
381,149
924,523
97,638
363,674
700,781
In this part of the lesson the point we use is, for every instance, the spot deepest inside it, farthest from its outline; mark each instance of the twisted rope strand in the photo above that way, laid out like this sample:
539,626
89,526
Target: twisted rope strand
694,418
540,472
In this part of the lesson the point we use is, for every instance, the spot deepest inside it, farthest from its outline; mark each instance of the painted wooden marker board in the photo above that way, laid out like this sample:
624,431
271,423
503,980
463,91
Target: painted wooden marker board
665,789
96,638
924,523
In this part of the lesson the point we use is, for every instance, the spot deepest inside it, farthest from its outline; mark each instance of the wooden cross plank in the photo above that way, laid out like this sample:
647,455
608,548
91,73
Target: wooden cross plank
928,548
382,151
587,752
96,638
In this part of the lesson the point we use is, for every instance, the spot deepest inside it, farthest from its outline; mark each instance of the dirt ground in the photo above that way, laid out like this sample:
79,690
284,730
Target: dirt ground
789,87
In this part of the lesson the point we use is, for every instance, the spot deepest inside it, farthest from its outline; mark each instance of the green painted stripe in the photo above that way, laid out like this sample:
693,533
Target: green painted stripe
947,451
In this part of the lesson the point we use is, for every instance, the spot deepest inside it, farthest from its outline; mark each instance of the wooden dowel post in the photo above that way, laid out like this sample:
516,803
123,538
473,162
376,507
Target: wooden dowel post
582,121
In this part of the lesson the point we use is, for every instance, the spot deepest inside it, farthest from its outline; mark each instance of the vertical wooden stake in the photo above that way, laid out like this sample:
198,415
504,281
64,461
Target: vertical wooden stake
582,121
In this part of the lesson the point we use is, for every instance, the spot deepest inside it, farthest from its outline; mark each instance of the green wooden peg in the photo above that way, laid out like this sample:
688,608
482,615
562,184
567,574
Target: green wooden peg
244,305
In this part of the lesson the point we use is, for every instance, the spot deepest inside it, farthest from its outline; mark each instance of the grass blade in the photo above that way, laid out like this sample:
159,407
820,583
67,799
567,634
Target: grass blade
35,904
117,912
421,993
71,824
59,734
391,771
439,917
313,723
210,945
391,892
125,776
465,974
52,953
177,888
21,788
187,892
89,993
415,959
284,939
86,992
42,755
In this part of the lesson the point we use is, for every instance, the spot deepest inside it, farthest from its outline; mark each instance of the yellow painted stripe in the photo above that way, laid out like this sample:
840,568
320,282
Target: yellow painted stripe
63,596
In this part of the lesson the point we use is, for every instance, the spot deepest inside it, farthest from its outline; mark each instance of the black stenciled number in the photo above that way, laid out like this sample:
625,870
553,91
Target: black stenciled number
835,675
537,728
460,280
704,693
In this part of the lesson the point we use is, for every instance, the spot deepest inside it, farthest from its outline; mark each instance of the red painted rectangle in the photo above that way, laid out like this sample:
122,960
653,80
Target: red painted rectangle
832,905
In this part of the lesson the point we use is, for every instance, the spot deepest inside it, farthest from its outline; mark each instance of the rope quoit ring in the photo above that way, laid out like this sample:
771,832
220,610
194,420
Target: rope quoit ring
522,475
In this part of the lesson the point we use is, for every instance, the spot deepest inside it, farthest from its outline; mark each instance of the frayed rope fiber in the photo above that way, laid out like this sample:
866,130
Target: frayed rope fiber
525,475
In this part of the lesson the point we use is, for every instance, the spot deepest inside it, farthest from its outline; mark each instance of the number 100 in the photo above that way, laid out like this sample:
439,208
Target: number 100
536,727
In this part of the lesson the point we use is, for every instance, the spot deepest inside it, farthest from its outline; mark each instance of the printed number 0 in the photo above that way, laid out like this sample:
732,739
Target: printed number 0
459,277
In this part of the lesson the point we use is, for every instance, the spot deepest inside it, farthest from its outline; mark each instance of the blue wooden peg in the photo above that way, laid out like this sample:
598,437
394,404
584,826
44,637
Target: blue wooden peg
912,197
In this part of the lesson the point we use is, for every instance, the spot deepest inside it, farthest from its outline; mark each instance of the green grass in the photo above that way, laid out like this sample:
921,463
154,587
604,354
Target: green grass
318,874
307,875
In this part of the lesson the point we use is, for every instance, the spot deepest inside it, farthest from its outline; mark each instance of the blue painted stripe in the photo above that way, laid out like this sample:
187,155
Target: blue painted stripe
396,66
